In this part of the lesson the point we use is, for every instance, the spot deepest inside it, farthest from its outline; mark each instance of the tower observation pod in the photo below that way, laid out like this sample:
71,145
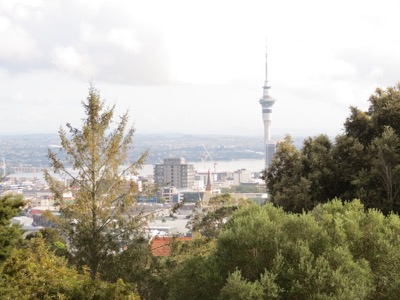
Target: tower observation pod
266,104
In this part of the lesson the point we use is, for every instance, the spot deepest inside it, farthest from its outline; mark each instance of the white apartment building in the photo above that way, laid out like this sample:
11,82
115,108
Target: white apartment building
241,176
174,172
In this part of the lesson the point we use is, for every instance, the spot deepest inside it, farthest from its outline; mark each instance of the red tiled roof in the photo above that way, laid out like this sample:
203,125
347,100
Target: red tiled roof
161,246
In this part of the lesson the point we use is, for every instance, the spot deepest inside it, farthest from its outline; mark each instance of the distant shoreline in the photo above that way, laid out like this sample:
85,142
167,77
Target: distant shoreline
253,165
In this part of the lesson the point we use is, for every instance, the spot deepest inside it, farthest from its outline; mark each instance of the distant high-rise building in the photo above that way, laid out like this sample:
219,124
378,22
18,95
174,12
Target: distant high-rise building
174,172
241,176
266,103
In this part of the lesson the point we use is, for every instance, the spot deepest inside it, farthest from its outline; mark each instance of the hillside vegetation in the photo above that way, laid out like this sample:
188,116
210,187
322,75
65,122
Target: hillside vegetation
331,229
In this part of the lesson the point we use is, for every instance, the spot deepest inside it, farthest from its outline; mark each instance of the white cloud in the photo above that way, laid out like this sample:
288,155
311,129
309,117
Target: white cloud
28,9
16,43
69,60
4,74
197,66
124,38
12,6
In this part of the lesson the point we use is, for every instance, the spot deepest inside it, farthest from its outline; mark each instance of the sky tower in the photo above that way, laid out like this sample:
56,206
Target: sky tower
266,103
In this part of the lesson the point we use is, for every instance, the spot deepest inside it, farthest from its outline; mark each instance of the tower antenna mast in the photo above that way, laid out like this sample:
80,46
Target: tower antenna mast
266,64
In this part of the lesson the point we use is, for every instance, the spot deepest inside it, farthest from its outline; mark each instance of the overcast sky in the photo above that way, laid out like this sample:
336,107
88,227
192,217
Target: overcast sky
183,66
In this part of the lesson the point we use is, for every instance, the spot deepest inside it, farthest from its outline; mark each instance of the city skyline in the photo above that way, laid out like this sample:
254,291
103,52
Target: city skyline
194,67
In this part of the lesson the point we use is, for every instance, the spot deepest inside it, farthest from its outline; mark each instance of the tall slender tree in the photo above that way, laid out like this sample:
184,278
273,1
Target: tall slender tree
103,214
385,170
10,235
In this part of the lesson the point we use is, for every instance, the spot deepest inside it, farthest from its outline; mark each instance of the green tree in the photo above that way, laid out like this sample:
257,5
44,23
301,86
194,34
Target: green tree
375,180
286,186
53,240
350,157
285,163
359,125
211,218
338,250
10,235
384,109
387,167
191,272
370,236
103,214
362,163
299,180
197,277
137,265
301,256
243,189
379,184
237,287
319,168
35,272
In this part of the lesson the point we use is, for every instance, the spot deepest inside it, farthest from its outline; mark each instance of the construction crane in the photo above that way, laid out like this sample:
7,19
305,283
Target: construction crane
4,168
208,154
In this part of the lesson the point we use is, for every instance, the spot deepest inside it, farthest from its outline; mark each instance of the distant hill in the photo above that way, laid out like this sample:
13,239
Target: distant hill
31,150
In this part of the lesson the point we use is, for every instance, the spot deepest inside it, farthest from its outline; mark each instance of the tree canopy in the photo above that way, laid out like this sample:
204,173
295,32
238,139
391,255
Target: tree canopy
209,220
35,272
10,235
103,215
363,162
335,251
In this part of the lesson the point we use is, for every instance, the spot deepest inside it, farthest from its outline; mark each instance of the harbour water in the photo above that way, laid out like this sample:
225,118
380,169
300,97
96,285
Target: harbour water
252,165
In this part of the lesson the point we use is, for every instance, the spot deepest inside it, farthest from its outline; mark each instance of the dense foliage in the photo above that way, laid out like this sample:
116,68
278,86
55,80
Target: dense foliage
10,235
210,218
243,189
363,163
335,251
35,272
